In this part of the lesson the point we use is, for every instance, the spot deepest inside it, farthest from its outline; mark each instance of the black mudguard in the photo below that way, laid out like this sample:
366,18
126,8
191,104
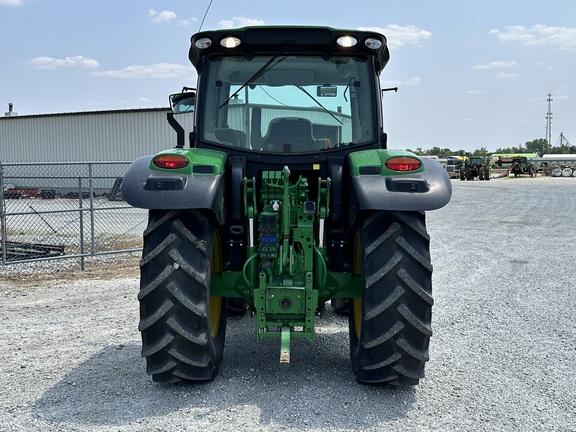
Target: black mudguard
428,190
145,188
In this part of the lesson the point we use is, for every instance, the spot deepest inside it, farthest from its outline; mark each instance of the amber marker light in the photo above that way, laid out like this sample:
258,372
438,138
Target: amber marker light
403,164
170,162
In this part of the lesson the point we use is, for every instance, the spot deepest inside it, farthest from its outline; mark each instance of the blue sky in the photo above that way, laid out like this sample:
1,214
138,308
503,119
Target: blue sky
471,73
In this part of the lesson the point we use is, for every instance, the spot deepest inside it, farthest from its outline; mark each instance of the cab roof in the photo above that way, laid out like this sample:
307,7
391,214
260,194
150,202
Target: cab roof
293,40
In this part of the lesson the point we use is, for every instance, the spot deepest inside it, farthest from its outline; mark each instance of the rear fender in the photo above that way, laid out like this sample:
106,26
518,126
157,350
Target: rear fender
375,187
199,185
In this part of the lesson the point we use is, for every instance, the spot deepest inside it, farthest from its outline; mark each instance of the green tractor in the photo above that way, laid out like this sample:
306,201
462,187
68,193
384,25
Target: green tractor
281,195
521,165
475,167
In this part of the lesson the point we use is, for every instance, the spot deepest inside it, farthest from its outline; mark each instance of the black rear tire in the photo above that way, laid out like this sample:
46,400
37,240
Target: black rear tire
183,327
390,326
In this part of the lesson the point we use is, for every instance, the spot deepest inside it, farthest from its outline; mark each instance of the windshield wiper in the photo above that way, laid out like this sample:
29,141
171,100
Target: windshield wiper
265,68
319,104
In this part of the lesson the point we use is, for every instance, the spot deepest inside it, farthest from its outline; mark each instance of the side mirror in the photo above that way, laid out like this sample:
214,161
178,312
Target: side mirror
326,91
183,102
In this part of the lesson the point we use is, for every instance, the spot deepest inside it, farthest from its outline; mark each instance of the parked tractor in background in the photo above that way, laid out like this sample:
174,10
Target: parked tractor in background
475,168
281,194
521,165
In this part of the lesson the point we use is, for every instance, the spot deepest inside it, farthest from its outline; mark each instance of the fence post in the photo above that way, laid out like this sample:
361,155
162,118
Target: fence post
81,223
2,216
92,216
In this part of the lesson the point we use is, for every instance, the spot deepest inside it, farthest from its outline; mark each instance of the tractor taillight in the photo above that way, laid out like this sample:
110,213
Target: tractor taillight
170,162
403,164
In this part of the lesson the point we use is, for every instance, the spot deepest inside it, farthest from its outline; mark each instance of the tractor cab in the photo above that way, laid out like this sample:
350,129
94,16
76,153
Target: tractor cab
277,90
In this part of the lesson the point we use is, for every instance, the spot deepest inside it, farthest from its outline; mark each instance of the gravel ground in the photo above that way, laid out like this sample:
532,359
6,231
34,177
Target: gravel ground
502,354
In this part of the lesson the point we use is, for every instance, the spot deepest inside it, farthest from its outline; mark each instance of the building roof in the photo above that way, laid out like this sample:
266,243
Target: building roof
510,155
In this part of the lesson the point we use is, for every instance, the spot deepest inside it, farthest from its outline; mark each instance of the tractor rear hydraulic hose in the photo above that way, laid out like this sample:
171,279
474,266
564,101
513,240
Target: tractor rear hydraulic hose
248,283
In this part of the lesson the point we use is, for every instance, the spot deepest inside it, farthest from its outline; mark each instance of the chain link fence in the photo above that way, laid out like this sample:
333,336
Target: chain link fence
66,210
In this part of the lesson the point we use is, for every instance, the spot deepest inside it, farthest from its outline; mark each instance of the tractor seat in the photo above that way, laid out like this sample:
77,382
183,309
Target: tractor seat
233,137
291,135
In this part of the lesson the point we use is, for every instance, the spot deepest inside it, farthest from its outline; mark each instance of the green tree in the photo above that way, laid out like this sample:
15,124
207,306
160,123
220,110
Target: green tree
562,149
482,151
540,146
436,151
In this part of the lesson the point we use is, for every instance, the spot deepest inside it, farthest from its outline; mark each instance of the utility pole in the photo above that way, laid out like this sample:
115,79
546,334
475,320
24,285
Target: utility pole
549,121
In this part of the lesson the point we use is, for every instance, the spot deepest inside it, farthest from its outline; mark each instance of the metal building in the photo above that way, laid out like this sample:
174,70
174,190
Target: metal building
121,135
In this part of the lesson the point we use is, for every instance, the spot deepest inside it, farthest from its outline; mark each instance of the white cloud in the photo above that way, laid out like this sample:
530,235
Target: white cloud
158,70
399,36
11,2
188,21
413,81
78,62
239,22
475,92
495,65
410,82
168,17
161,17
563,37
503,75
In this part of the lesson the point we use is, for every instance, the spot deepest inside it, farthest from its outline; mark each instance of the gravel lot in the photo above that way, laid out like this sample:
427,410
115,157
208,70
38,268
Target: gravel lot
503,353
